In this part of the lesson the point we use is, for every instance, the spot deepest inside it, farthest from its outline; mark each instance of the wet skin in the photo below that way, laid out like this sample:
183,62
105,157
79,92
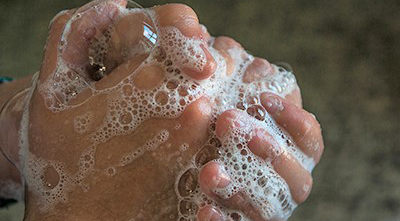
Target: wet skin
132,190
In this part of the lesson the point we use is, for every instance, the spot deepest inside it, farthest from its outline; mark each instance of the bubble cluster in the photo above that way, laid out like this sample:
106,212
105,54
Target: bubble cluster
82,122
126,112
250,174
53,188
150,145
182,51
255,177
86,164
65,85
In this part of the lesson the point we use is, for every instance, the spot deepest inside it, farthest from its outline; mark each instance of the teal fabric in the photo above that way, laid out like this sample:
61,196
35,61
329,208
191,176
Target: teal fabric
5,79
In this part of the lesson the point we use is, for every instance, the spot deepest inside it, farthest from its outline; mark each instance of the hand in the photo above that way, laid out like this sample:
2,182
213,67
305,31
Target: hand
84,139
306,135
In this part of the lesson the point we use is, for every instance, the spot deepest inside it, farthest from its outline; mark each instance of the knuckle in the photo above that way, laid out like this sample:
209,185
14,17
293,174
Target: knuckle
225,43
60,19
311,136
182,8
305,189
309,125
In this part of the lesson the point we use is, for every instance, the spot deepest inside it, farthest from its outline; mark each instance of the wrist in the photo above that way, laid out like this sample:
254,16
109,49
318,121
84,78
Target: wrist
11,102
9,88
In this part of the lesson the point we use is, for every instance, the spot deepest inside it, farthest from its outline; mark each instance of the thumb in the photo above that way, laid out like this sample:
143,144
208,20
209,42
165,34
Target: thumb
75,28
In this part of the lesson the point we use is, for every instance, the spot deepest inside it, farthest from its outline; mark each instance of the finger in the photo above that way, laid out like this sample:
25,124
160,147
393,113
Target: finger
258,70
295,97
185,20
300,124
213,176
86,23
261,68
265,146
181,17
296,176
226,43
223,44
56,27
78,38
204,32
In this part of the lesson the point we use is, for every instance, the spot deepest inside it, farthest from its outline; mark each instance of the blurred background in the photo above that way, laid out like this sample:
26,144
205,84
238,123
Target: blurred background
346,56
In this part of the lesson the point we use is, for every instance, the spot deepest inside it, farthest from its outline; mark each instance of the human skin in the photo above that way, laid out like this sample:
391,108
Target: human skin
52,136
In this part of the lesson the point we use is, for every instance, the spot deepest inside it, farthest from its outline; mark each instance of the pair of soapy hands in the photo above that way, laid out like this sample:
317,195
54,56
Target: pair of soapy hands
300,124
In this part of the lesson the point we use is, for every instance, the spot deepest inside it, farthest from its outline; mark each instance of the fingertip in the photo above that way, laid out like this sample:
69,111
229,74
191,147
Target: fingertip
180,16
300,124
272,103
257,70
121,2
319,150
295,97
186,21
297,177
90,19
204,32
263,145
306,190
196,118
302,188
209,213
229,119
56,28
212,176
226,43
208,69
229,62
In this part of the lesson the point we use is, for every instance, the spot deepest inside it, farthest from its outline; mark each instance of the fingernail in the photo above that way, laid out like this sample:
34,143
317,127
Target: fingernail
214,216
211,65
273,104
221,180
208,68
231,120
240,120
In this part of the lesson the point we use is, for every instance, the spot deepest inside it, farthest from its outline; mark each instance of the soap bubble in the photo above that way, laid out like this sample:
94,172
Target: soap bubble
92,46
132,37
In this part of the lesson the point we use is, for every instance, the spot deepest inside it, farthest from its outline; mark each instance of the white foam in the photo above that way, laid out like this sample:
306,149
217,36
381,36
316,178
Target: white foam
151,145
82,122
49,195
